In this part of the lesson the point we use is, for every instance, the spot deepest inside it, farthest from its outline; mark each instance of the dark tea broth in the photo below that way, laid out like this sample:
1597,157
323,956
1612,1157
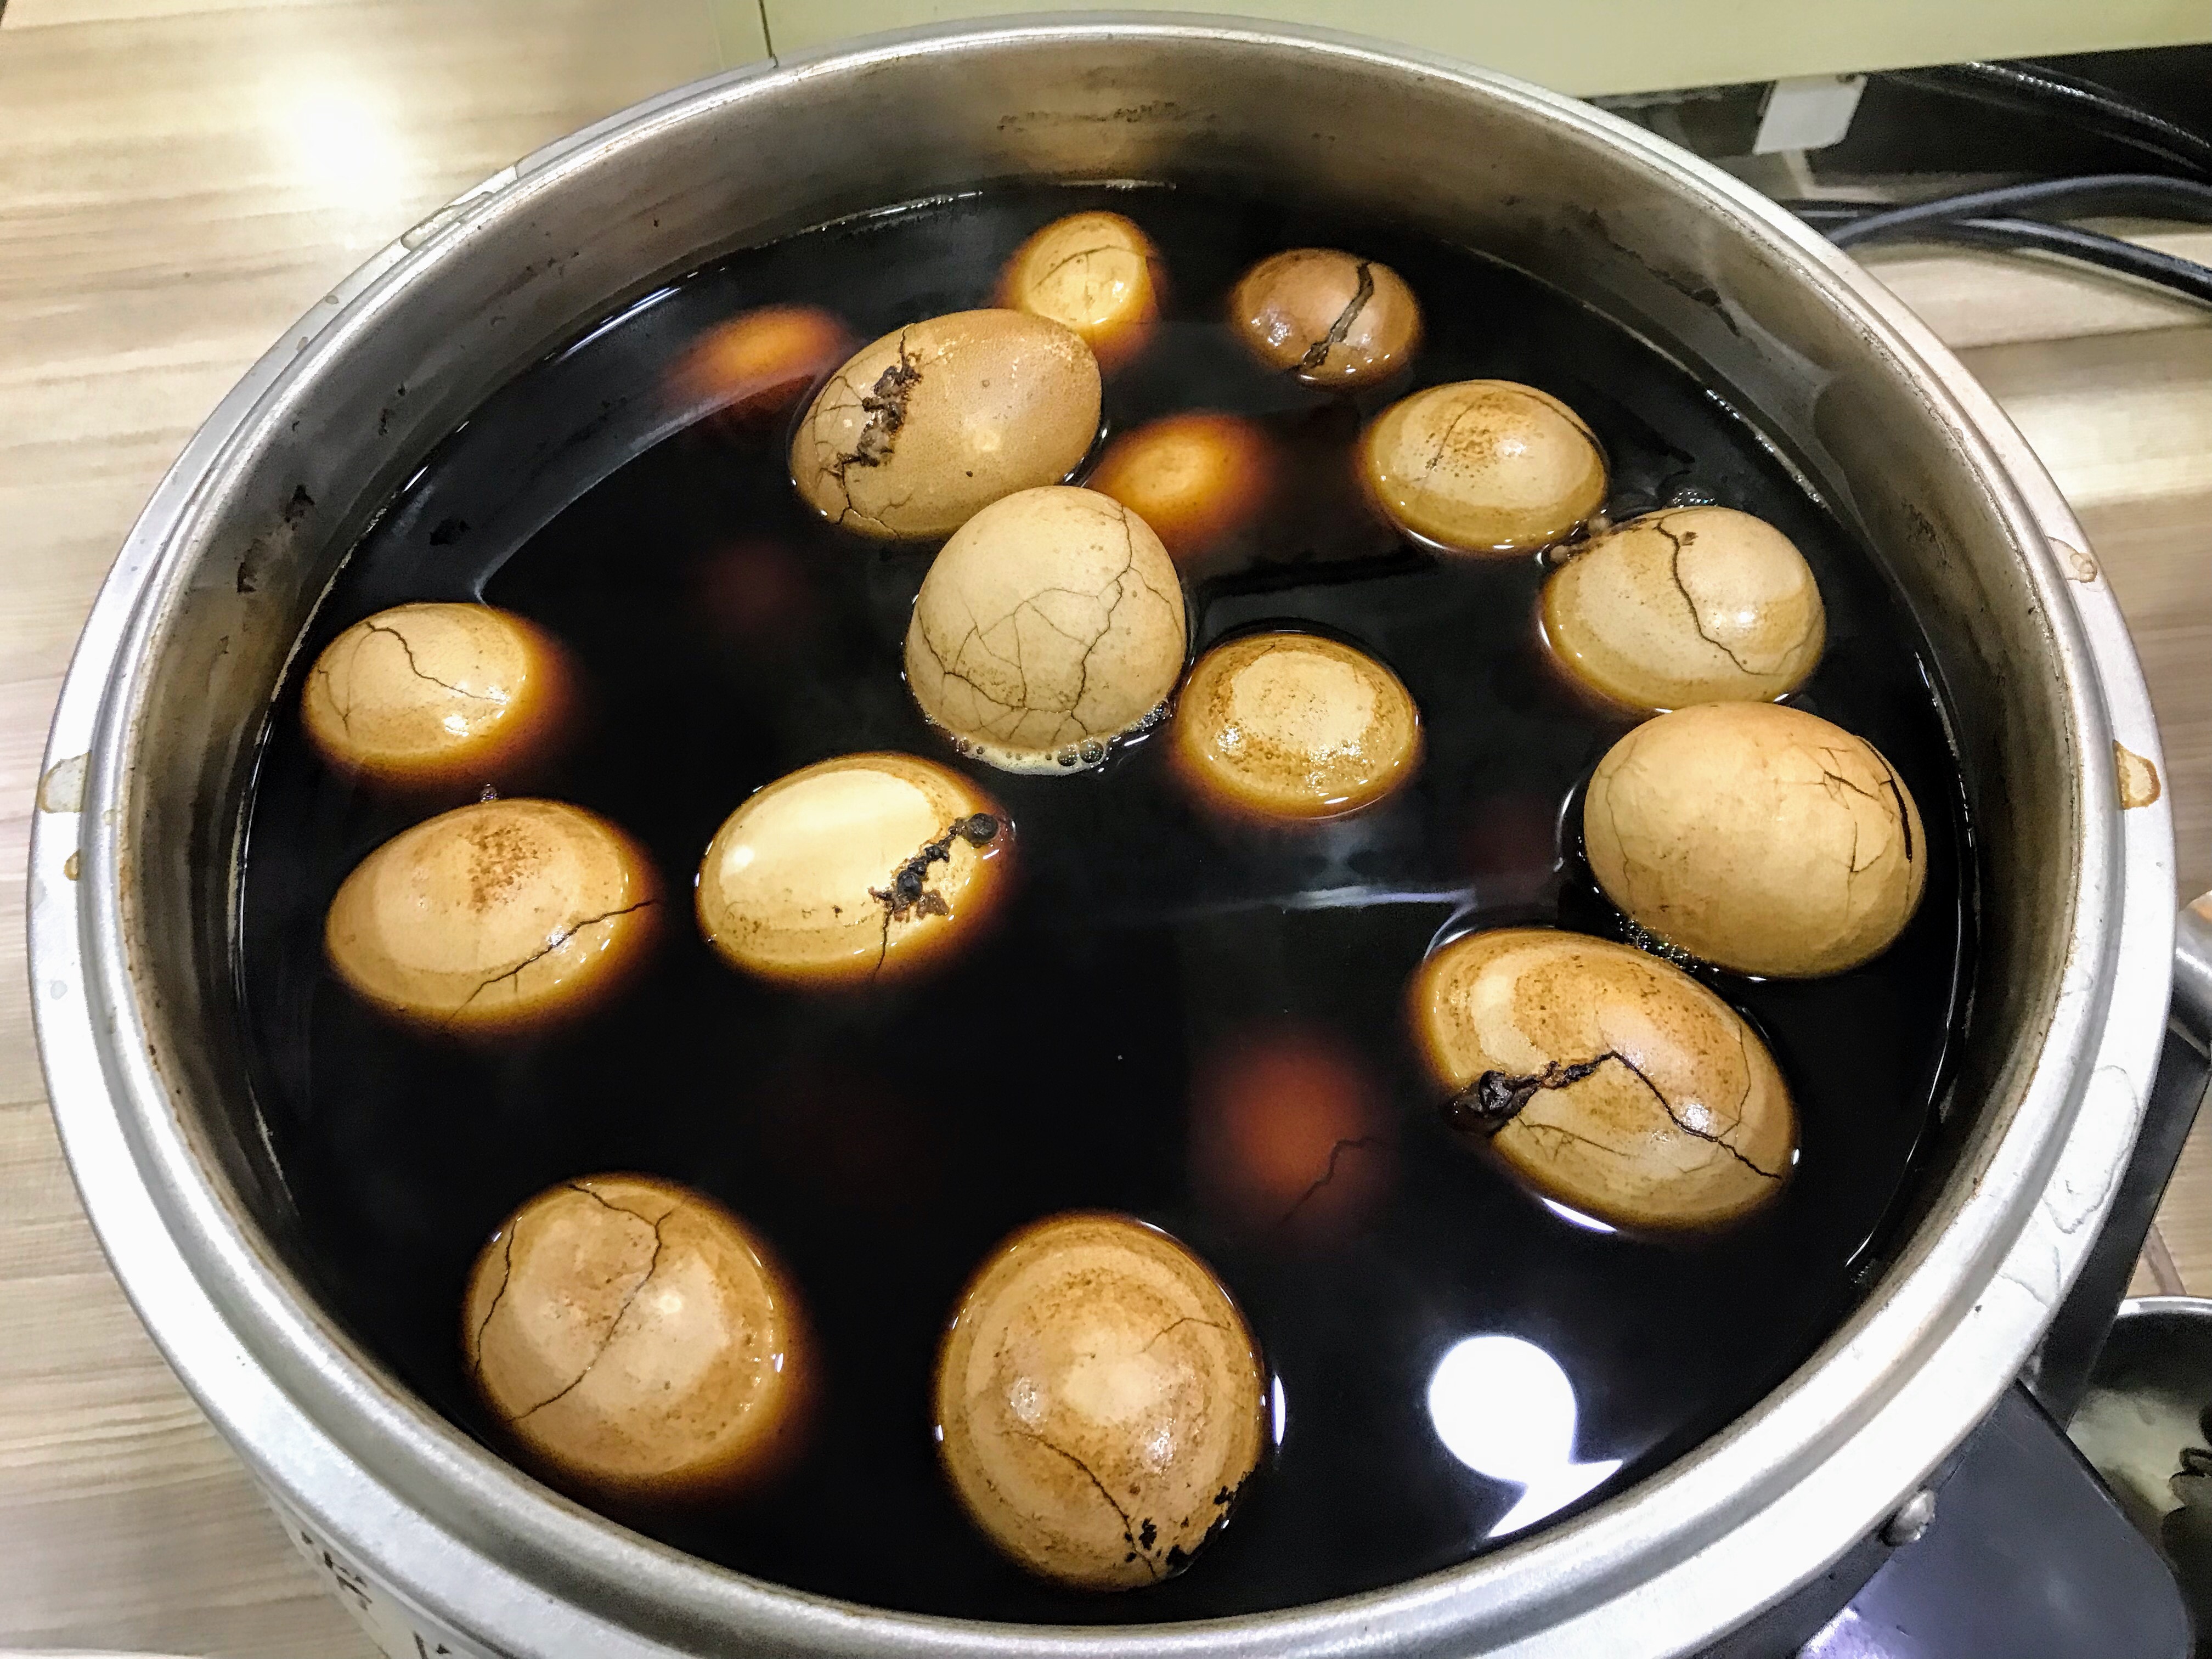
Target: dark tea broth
884,1139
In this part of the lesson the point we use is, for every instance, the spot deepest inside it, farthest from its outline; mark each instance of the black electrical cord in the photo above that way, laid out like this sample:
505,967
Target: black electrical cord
1965,219
2151,195
2030,89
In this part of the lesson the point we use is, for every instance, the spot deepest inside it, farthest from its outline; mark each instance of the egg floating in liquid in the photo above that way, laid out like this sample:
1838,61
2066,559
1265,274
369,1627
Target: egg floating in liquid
1687,605
1197,479
638,1343
439,694
1330,317
1099,1401
1049,626
918,431
865,868
1483,467
1757,837
1607,1079
1095,273
496,919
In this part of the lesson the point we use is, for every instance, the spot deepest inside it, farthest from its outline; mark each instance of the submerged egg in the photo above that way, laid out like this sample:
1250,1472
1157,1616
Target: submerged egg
1330,317
862,868
1693,605
637,1342
1483,467
1756,836
1095,273
1050,625
1099,1401
1289,1135
438,694
917,431
762,360
1197,478
496,917
1294,725
1609,1080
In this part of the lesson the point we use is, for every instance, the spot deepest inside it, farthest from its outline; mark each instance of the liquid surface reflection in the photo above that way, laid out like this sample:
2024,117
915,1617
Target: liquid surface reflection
1503,1408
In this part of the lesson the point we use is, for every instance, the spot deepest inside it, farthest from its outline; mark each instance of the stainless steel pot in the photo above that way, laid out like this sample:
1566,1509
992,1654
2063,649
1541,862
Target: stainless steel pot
449,1550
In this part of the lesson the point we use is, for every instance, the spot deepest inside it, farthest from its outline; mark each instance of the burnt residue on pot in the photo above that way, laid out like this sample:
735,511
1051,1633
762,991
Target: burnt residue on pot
1157,970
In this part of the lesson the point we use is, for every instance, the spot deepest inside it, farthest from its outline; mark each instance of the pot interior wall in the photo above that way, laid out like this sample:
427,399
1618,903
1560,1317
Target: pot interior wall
602,224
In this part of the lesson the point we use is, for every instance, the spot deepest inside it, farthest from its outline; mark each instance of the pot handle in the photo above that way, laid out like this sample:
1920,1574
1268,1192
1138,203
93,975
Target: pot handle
2058,1373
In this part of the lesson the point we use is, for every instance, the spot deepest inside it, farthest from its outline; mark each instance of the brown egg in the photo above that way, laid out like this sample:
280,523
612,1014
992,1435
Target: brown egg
1095,273
764,360
862,868
1293,726
638,1343
915,433
425,694
1693,605
1483,467
1050,625
1756,836
495,918
1332,318
1100,1402
1289,1135
1611,1081
1197,478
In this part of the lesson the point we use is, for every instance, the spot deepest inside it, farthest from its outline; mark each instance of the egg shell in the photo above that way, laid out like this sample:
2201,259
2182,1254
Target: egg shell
1757,837
498,917
638,1343
438,694
800,884
1050,625
1198,478
1483,467
1097,274
1689,605
1608,1079
1100,1402
934,421
1332,318
1295,725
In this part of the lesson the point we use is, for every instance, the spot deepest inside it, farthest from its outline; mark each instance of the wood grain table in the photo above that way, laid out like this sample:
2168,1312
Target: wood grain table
178,180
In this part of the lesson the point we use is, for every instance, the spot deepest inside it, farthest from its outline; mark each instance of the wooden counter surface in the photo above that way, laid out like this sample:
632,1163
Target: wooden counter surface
178,180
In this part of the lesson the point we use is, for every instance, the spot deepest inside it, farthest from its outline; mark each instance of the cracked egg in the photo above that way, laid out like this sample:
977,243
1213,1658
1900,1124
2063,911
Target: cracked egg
1100,1402
1697,604
424,695
1095,273
496,917
1290,1136
638,1342
1757,837
1330,317
1607,1079
1197,478
863,868
1293,726
763,360
1050,625
936,420
1483,467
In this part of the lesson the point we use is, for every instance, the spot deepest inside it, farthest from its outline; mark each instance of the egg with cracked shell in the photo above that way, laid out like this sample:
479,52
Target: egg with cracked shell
861,869
1049,626
1607,1079
916,432
638,1343
1100,1401
502,916
1687,605
1757,837
429,693
1097,273
1330,317
1483,466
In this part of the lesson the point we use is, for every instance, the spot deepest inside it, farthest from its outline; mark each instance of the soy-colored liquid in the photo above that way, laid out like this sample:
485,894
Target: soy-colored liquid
882,1139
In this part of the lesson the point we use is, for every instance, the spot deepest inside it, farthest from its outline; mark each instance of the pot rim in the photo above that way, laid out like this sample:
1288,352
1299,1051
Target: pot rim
1687,1553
